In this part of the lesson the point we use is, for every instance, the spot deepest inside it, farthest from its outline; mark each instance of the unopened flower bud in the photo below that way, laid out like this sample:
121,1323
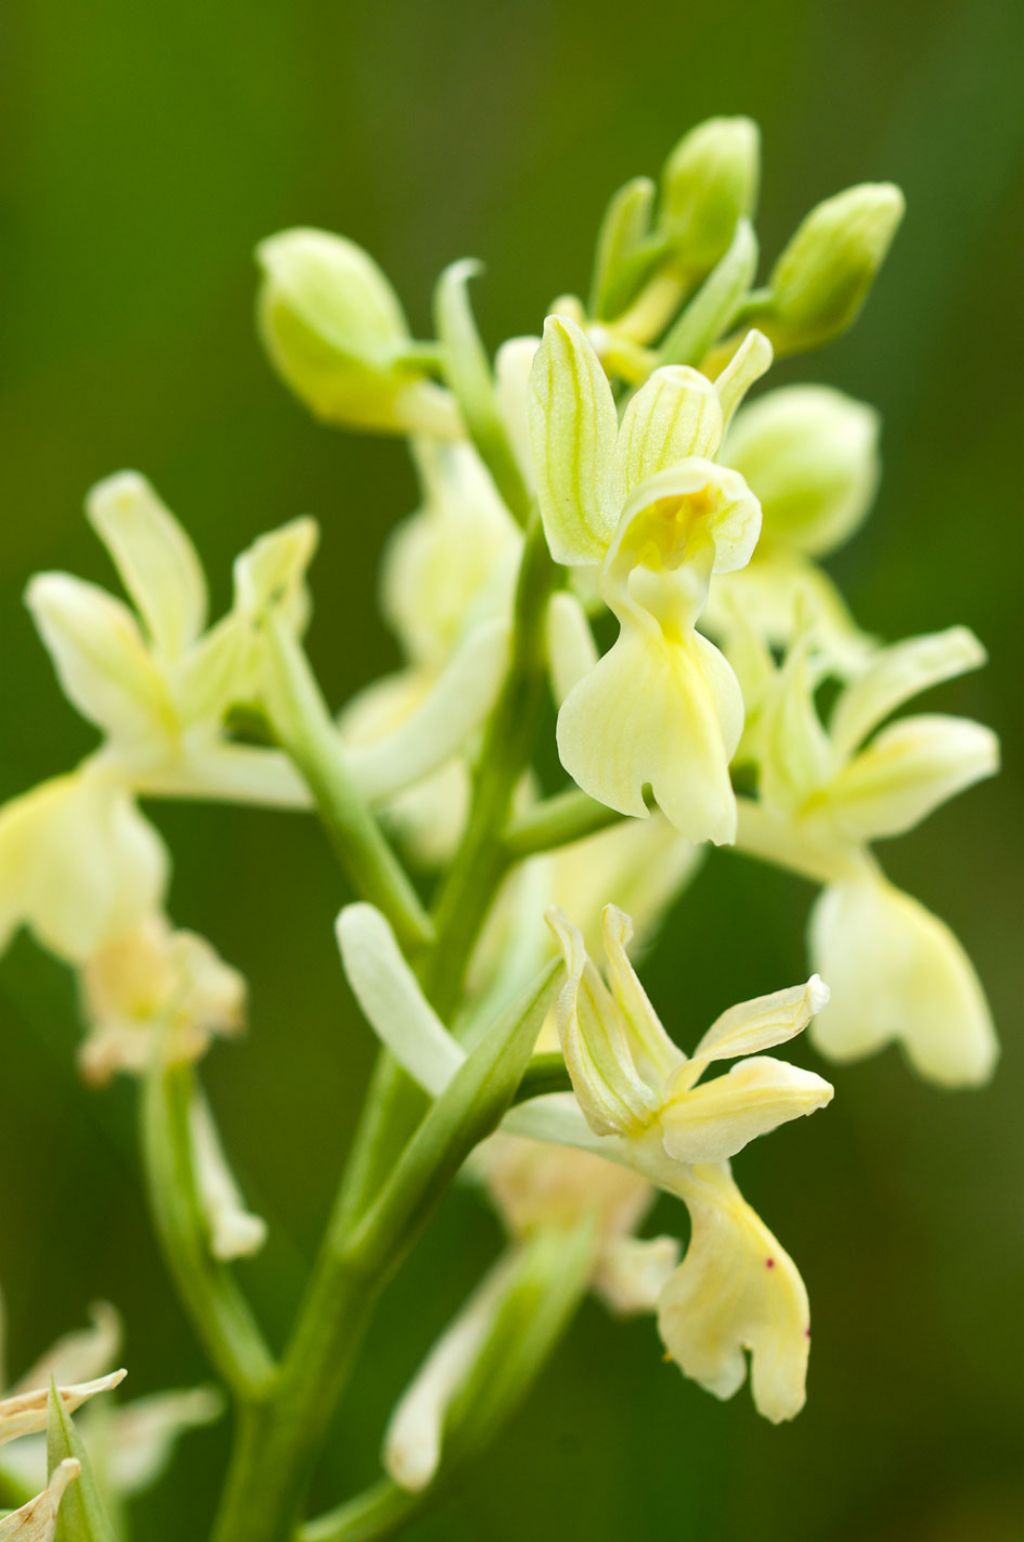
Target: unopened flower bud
811,456
822,278
709,182
336,334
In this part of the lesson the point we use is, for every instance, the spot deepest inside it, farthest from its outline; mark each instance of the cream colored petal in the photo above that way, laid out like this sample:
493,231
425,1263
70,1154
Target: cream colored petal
735,1291
37,1521
80,1356
100,657
572,652
896,674
676,414
234,1232
715,1120
659,713
907,771
781,596
156,560
144,1432
412,1441
653,1052
28,1412
762,1023
597,1043
632,1272
392,1000
439,725
897,973
573,429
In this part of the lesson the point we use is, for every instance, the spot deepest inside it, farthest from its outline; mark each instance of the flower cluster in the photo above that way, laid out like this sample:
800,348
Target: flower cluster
608,526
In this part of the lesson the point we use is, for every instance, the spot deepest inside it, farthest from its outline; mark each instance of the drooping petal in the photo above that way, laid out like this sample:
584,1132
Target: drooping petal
155,559
762,1023
715,1120
27,1413
661,713
573,430
412,1442
907,771
897,973
896,674
736,1290
234,1232
37,1520
392,1000
676,414
100,657
597,1043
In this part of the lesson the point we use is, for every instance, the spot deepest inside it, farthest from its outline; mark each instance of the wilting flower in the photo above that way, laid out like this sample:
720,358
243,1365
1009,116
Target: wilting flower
130,1444
896,971
37,1520
646,506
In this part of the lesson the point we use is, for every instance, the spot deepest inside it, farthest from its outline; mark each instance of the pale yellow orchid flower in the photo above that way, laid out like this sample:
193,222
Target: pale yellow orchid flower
825,794
645,504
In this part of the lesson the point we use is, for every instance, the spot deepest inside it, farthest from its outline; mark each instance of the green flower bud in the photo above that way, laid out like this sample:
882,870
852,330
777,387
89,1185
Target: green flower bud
811,456
822,278
708,183
336,334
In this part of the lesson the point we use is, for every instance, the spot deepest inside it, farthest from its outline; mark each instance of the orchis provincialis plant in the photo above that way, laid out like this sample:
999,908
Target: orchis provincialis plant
606,469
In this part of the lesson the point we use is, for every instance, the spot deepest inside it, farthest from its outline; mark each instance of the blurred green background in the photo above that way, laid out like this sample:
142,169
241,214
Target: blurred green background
145,150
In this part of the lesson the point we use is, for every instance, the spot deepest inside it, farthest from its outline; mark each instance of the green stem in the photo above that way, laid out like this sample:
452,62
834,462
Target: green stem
306,731
218,1310
280,1440
558,821
379,1512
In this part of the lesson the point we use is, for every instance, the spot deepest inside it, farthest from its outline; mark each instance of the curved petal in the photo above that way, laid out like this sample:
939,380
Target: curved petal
907,771
898,973
37,1520
27,1413
763,1022
715,1120
392,1000
896,674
